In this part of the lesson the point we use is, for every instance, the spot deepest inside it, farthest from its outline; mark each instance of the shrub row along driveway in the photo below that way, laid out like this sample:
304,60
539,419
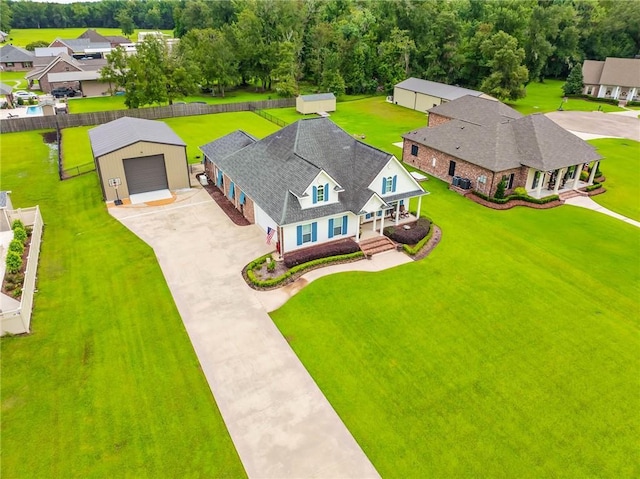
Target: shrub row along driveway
278,419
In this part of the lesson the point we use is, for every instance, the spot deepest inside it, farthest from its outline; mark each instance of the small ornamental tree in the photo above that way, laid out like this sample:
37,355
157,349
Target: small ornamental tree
16,246
14,262
20,234
575,81
17,224
500,190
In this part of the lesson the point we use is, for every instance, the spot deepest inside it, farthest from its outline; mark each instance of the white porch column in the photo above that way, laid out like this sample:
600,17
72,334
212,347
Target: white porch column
558,179
593,171
632,93
577,178
358,229
419,205
616,92
382,223
374,221
540,183
601,91
397,212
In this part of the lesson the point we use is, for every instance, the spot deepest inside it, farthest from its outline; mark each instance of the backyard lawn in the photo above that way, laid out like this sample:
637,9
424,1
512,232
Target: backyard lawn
621,168
547,96
14,79
108,384
23,36
511,351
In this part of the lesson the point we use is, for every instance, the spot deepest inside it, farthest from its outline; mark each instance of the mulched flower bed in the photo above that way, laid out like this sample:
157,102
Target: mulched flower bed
431,244
225,205
512,203
17,286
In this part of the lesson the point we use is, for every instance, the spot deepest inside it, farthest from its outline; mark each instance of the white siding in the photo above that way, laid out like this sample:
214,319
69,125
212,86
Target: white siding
291,235
404,98
264,221
321,180
404,183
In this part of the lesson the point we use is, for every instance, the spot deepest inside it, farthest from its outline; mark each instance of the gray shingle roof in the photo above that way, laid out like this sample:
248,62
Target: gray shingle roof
621,72
272,171
126,131
318,97
12,54
439,90
228,144
592,71
5,89
502,140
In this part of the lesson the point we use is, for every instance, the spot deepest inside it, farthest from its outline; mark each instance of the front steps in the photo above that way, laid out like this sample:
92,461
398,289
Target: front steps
376,245
565,195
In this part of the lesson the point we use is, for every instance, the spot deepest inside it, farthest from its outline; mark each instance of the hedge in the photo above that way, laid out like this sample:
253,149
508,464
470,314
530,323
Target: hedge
16,246
268,283
594,186
13,261
414,250
409,236
334,248
527,198
611,101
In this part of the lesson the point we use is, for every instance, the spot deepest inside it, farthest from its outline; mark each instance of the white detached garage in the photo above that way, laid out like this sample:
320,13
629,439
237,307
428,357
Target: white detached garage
134,156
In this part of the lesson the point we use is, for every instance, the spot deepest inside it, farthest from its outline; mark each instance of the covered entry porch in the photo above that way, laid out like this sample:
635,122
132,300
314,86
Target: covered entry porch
394,212
553,182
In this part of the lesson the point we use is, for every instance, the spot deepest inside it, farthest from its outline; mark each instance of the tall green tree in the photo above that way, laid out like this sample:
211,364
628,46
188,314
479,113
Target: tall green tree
575,81
395,58
508,74
125,22
5,16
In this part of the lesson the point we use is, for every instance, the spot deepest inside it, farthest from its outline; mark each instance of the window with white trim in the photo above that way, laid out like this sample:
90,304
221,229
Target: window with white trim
389,186
337,226
320,194
306,233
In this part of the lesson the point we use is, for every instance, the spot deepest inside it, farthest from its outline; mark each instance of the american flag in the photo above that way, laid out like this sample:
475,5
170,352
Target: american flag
270,233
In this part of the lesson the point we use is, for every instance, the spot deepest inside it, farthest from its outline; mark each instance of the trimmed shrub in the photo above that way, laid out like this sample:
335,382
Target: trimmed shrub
16,246
414,250
17,224
271,266
20,234
500,190
584,175
14,278
424,223
334,248
408,236
529,199
633,103
594,186
14,262
520,191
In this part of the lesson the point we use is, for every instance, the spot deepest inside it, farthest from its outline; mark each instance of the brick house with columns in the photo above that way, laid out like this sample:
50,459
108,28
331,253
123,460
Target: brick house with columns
485,141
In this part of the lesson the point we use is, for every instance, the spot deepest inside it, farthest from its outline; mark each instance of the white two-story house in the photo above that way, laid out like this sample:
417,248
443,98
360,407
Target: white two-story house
310,183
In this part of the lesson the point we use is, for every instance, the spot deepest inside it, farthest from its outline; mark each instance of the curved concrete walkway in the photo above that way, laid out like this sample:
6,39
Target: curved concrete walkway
279,420
588,203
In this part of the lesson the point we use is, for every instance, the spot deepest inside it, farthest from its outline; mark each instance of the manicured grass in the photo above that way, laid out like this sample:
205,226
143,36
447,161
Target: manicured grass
108,384
621,168
547,96
10,78
84,105
511,351
380,122
23,36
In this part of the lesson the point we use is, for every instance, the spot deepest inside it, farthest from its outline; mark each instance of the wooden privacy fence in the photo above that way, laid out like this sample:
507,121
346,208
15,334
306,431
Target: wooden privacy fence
152,113
18,320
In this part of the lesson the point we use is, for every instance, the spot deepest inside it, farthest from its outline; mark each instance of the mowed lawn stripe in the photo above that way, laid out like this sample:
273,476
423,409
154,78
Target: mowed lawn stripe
108,384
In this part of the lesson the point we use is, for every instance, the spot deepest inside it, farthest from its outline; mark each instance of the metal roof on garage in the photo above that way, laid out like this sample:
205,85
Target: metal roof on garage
126,131
439,90
318,97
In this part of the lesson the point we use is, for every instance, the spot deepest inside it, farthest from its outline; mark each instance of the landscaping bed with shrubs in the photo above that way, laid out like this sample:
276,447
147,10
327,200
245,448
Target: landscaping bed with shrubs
265,273
16,261
515,200
415,237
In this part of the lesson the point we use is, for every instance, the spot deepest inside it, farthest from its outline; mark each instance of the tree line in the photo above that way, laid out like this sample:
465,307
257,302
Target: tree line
361,46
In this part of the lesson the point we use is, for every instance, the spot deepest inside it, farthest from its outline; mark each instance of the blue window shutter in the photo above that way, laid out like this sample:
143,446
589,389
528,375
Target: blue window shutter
231,190
314,231
331,228
299,231
326,192
219,178
401,202
379,213
384,185
395,179
315,195
242,197
345,223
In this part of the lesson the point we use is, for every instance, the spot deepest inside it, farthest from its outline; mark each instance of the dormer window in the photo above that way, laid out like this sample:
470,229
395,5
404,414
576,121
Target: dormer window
389,184
320,196
321,193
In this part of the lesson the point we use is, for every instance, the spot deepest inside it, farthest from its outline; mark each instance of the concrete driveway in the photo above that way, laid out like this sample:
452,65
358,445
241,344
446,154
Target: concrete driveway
598,123
279,420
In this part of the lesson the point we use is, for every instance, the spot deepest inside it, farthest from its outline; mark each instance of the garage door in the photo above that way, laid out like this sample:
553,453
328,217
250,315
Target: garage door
146,173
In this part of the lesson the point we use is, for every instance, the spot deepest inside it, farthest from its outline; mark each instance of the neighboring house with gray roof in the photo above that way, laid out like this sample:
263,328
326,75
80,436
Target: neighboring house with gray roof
310,182
475,143
14,59
6,94
421,95
317,103
615,78
63,63
135,156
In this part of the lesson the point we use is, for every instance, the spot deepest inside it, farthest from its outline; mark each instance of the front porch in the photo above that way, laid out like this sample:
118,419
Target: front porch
555,182
394,213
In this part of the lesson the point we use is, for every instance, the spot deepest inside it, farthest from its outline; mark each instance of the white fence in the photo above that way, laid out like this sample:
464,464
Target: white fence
19,320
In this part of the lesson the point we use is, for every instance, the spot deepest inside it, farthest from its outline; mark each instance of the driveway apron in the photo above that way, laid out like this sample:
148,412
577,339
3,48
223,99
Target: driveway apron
279,420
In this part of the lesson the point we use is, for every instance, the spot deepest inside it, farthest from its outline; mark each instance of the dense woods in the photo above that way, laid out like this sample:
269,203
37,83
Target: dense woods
360,46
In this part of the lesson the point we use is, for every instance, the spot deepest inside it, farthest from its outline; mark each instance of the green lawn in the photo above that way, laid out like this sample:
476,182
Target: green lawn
10,78
23,36
380,122
108,384
547,96
511,351
84,105
621,168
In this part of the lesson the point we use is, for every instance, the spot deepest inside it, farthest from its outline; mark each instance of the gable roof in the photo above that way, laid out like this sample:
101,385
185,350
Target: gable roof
592,71
318,97
277,169
61,57
439,90
502,139
612,71
5,89
93,36
12,54
228,144
126,131
117,39
49,52
74,76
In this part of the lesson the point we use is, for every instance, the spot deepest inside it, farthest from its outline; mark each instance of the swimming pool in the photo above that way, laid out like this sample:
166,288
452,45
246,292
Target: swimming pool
34,111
